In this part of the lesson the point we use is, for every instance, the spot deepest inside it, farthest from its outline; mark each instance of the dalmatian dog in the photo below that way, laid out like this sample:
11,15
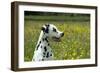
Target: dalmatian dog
43,51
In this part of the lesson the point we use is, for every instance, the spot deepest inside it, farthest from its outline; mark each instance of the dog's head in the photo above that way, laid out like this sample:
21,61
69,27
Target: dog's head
51,31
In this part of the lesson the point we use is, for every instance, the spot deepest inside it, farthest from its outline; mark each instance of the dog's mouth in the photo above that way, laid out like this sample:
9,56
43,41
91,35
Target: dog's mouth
56,39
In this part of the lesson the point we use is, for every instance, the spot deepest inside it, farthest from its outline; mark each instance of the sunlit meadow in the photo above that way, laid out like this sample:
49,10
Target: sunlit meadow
74,45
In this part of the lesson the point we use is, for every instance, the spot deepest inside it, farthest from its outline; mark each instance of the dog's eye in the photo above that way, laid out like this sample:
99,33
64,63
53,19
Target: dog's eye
54,29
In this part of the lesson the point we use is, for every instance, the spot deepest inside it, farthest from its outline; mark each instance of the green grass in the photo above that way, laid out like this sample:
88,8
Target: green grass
57,18
74,45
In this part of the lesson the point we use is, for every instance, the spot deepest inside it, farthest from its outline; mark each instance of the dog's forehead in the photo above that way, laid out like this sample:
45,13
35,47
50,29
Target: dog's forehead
52,26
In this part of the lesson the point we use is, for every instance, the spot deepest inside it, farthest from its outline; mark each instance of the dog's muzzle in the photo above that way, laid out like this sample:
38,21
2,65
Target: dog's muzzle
62,34
58,39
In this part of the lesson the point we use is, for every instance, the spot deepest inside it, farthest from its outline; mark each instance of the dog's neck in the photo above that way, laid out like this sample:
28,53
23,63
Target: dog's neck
42,36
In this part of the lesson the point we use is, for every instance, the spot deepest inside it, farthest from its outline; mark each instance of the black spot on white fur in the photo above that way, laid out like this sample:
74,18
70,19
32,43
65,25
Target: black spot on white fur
43,29
41,46
44,54
47,55
45,49
42,59
40,42
46,39
50,54
47,28
43,39
38,45
54,30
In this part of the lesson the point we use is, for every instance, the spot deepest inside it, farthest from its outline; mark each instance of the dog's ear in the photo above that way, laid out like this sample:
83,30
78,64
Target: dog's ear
47,25
47,28
43,28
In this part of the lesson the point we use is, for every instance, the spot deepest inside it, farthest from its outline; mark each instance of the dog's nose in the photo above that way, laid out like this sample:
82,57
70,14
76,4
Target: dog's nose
62,34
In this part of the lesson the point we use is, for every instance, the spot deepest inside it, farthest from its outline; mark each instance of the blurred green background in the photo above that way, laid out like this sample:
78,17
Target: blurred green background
76,41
